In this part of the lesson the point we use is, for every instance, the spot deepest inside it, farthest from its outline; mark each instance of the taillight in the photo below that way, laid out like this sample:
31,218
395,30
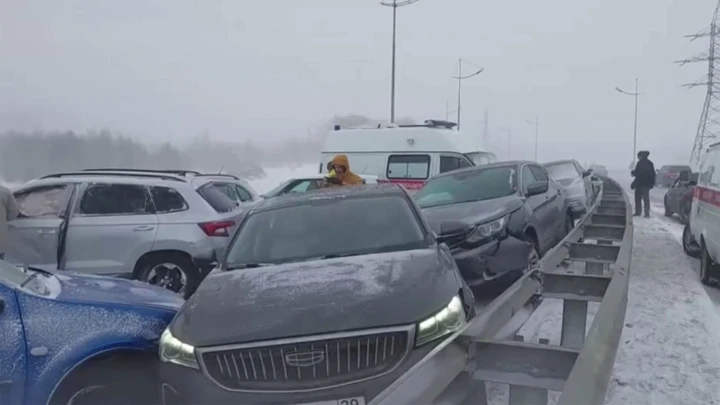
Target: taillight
217,228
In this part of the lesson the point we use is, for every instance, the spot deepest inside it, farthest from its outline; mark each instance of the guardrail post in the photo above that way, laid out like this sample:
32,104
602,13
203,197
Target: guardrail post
522,395
574,322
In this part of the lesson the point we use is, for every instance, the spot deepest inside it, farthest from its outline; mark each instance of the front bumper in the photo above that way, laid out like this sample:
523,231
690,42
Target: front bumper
492,261
185,386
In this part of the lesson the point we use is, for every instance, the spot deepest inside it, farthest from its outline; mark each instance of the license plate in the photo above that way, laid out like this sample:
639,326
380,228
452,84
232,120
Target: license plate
341,401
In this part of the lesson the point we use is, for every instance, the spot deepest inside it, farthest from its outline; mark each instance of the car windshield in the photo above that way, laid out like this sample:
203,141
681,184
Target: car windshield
33,280
12,275
674,168
480,158
562,171
466,186
325,227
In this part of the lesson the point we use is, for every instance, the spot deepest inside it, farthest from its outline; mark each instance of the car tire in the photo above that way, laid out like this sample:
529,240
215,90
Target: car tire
115,380
690,247
172,271
708,267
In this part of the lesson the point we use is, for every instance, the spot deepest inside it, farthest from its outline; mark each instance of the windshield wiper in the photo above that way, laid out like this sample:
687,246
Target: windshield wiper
29,279
339,255
241,266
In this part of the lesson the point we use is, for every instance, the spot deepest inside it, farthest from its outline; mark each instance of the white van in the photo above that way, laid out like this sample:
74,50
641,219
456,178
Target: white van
701,236
405,154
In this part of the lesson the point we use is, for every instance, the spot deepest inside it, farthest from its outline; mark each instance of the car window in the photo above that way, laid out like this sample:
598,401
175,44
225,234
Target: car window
116,199
322,227
562,171
167,200
539,173
43,202
408,167
450,163
528,178
300,187
217,199
242,193
466,186
481,158
228,190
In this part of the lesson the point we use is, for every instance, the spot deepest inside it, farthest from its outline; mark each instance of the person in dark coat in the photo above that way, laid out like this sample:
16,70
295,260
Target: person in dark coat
644,174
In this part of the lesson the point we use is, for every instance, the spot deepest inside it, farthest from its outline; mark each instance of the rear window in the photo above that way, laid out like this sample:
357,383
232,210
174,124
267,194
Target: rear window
167,200
216,198
562,171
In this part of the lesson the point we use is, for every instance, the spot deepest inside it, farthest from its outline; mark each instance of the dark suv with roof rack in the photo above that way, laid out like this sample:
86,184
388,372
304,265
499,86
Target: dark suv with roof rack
163,227
317,299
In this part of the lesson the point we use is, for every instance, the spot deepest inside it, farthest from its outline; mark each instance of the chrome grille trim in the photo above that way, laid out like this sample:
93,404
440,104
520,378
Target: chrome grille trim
388,349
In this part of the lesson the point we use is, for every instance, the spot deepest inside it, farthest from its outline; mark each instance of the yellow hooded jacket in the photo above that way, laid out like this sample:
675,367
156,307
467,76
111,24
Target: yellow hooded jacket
348,178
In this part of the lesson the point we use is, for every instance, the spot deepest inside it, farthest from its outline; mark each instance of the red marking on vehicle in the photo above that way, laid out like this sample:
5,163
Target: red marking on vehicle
413,185
707,195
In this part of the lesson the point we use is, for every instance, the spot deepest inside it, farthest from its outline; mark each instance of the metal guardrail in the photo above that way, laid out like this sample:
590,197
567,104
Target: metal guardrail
592,264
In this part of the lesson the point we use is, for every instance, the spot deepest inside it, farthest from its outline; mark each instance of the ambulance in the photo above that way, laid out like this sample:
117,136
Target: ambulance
407,155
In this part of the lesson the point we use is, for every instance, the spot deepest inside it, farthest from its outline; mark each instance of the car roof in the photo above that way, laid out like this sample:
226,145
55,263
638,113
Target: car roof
349,192
507,163
80,178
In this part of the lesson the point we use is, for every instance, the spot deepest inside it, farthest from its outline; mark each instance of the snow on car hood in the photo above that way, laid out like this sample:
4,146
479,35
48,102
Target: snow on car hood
90,288
315,297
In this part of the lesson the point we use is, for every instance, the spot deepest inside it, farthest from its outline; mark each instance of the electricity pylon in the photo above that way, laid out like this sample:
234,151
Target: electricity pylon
709,126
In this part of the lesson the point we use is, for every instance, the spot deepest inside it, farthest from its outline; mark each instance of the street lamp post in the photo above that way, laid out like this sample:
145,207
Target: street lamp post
394,4
635,94
460,78
537,124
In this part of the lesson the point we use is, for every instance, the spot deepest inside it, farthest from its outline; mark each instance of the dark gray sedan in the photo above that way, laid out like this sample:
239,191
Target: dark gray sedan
497,219
323,297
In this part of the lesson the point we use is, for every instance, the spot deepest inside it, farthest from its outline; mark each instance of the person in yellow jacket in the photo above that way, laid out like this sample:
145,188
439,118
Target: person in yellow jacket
340,173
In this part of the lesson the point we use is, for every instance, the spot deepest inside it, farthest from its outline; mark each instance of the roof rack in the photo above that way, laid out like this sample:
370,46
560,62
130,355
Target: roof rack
176,172
217,175
426,124
116,174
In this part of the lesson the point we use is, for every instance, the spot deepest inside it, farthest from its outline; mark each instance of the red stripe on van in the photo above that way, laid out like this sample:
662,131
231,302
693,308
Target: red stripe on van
413,185
707,195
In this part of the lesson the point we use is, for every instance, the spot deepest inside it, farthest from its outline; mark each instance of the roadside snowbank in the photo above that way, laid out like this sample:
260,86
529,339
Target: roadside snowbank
670,349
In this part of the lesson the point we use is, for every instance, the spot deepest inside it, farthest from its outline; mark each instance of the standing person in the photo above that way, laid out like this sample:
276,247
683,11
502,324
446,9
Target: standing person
341,174
8,212
644,174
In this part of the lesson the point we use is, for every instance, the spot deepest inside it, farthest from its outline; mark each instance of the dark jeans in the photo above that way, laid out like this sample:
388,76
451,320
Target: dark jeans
642,195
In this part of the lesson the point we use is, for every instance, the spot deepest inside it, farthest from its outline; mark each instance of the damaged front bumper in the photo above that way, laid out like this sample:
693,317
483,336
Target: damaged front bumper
493,261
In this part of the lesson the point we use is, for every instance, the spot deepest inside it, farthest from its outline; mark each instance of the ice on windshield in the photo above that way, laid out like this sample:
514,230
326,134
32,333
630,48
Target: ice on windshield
562,171
475,185
327,227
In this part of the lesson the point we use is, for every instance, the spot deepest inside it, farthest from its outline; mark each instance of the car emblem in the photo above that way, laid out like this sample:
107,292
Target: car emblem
304,359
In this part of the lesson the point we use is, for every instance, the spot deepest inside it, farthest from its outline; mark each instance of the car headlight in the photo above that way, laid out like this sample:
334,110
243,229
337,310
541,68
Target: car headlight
485,231
446,321
172,350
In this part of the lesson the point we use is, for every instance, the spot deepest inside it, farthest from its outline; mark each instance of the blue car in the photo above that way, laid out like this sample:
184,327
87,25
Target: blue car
78,339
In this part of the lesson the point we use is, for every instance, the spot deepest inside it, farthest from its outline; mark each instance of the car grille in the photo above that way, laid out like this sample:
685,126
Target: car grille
307,365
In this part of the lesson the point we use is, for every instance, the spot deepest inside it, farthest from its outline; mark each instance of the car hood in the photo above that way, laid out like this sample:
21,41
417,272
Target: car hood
316,297
472,213
108,290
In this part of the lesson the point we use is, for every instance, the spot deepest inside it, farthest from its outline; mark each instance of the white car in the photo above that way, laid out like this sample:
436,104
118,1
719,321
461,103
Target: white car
307,183
577,183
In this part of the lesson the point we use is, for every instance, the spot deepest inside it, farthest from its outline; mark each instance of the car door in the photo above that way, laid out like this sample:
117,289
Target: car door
12,350
540,207
111,227
556,203
36,234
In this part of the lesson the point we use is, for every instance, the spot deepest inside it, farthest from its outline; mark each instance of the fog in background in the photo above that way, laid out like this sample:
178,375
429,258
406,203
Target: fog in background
244,85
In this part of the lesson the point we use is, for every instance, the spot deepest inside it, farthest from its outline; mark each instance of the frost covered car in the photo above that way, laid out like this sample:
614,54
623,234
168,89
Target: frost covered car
78,339
497,219
323,296
667,175
307,183
579,189
679,196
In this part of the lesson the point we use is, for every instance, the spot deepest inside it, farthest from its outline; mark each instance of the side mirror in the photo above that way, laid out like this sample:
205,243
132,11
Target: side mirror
538,187
684,176
449,229
587,172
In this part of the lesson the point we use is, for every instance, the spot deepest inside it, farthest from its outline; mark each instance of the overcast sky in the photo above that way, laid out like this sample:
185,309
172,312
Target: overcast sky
172,69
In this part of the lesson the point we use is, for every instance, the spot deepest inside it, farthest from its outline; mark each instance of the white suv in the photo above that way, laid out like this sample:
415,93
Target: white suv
164,227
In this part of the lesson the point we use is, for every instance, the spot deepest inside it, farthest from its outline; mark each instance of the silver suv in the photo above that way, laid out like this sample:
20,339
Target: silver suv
162,227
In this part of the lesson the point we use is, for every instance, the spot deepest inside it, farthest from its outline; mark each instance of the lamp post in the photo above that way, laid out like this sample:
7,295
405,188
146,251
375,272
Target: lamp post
460,78
394,4
635,94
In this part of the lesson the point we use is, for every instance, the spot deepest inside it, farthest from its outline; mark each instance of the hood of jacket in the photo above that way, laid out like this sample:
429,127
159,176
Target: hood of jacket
348,177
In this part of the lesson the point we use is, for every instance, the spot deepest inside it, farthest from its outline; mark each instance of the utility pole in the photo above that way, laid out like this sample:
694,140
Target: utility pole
537,125
708,128
460,78
394,4
636,94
